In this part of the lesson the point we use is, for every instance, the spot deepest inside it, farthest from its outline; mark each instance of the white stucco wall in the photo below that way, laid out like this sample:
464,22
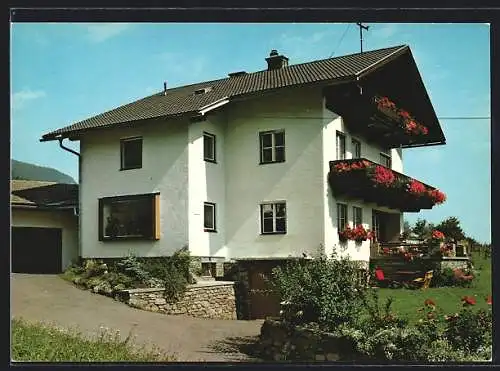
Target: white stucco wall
64,219
207,184
298,180
331,124
164,170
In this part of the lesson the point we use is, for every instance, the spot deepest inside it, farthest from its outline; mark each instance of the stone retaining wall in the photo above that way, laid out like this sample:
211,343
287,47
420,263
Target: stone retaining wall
213,299
280,342
455,262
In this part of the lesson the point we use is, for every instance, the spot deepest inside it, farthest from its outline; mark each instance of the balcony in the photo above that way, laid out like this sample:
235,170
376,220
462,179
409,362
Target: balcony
373,183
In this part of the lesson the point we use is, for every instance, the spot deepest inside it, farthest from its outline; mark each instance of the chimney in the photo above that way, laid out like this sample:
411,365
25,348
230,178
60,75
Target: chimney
165,88
236,74
276,61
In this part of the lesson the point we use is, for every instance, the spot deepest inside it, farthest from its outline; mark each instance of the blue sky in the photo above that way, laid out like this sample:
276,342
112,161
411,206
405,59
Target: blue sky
63,73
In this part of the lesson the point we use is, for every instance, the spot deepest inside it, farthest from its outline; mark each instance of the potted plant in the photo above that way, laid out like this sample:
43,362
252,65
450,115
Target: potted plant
345,234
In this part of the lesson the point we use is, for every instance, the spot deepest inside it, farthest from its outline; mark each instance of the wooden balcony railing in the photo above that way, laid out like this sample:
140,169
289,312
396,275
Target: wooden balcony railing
374,183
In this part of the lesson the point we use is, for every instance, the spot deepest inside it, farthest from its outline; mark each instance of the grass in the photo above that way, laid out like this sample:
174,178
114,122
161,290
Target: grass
407,302
36,342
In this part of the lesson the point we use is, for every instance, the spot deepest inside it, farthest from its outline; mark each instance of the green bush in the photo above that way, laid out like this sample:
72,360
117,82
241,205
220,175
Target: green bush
326,291
469,330
131,267
176,274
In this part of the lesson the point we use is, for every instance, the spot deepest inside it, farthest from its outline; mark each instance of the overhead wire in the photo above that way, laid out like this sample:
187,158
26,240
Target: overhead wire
340,41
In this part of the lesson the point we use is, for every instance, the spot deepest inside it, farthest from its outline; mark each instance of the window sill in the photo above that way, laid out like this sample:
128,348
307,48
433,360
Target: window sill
270,233
210,230
271,162
130,168
209,160
128,238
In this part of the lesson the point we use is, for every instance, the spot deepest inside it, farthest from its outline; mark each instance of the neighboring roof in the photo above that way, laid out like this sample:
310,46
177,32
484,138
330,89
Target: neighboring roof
31,193
183,100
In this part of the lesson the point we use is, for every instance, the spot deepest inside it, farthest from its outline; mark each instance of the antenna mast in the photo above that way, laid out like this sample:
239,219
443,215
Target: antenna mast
361,28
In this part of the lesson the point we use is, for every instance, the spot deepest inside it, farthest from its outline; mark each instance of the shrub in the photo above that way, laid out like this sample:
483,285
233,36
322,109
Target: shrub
326,291
176,274
131,267
469,330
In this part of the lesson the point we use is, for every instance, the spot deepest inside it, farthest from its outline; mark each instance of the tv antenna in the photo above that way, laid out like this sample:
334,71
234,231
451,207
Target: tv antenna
361,28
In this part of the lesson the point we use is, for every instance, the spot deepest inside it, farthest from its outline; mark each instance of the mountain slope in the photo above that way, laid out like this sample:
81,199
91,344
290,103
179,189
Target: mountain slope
26,171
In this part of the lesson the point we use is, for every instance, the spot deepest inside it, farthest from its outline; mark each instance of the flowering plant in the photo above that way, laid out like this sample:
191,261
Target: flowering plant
383,176
408,123
416,188
359,234
437,196
345,234
468,300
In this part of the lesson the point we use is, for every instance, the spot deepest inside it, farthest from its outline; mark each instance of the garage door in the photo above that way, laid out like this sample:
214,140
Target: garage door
36,250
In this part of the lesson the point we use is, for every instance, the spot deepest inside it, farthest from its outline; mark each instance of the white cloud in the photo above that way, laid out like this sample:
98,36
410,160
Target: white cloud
100,32
20,98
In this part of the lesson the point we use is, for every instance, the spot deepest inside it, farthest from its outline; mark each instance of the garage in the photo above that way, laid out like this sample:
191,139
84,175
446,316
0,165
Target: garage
36,250
44,229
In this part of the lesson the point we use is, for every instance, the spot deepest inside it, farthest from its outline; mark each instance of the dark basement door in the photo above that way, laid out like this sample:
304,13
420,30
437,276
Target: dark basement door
36,250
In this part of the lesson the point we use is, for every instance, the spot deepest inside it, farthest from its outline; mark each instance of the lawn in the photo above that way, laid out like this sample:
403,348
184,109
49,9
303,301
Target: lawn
407,302
35,342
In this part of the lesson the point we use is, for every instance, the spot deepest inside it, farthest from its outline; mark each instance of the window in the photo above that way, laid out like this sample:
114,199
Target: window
273,218
131,153
340,146
208,269
341,216
134,217
272,146
385,159
209,217
356,148
209,147
357,215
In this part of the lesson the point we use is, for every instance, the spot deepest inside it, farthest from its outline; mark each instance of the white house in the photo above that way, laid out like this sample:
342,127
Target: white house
244,167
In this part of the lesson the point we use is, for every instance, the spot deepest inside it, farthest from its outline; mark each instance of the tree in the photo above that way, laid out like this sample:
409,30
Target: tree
451,228
423,229
406,229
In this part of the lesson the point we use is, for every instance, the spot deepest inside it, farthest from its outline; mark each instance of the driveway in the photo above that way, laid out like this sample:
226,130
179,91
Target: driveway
48,298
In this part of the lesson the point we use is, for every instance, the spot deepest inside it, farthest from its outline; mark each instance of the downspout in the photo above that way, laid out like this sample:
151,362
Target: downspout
79,190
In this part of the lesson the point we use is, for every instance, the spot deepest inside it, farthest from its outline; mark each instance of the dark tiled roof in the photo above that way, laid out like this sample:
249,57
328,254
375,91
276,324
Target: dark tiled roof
183,99
42,194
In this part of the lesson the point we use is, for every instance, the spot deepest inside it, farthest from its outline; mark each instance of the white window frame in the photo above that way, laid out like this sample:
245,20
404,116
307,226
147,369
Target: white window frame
340,136
273,146
273,204
355,142
346,220
213,141
213,228
386,159
354,210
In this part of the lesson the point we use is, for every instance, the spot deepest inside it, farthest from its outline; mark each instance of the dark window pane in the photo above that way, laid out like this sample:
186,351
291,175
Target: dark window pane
279,139
280,154
280,210
267,225
280,225
266,140
267,211
131,153
267,155
209,217
128,218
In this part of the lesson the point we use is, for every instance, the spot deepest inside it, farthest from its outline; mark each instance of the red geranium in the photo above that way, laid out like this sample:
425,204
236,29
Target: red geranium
383,176
423,130
415,187
437,196
468,300
429,303
359,233
404,114
385,102
437,235
346,234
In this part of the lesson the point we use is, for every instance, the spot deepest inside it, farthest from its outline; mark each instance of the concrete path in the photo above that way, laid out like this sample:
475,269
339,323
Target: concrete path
48,298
